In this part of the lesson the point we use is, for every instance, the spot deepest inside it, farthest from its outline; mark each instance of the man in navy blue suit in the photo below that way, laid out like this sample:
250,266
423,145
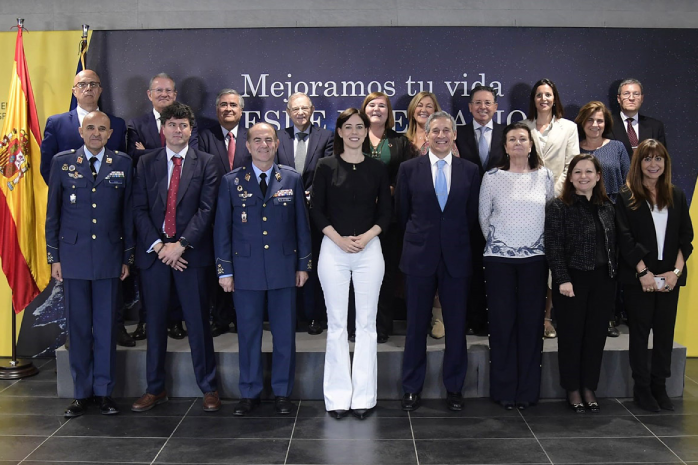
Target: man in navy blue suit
217,141
61,131
174,202
263,252
300,147
437,203
90,242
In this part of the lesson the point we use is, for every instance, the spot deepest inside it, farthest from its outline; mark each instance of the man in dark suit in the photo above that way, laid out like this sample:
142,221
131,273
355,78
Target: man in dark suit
62,133
174,202
216,141
145,135
481,143
300,147
90,242
263,252
629,126
437,202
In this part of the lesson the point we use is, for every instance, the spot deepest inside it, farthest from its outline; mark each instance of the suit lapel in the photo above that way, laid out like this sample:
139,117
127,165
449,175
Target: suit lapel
471,140
84,167
645,128
313,141
221,150
426,176
495,147
152,126
105,168
286,145
621,131
160,168
274,183
190,167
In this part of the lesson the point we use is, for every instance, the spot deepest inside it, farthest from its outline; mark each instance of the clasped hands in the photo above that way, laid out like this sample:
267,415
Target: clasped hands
650,285
171,255
353,244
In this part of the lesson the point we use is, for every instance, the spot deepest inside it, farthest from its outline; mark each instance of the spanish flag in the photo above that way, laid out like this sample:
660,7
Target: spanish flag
23,192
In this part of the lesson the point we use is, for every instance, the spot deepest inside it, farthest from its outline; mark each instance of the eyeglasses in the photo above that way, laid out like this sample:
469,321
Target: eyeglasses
486,103
91,85
631,94
299,109
163,91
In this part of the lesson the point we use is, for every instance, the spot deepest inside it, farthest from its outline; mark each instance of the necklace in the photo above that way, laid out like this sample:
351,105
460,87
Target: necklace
376,151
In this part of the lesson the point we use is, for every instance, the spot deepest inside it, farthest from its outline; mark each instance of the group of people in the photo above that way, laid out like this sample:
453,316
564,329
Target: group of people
491,227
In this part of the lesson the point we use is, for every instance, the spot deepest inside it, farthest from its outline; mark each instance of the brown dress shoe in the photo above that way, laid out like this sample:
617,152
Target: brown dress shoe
211,402
148,401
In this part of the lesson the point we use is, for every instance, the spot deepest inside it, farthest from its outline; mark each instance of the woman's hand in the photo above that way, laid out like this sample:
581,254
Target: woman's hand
362,239
348,244
670,280
647,282
567,290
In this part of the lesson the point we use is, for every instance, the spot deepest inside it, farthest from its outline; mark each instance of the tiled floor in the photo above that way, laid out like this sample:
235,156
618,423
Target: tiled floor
33,431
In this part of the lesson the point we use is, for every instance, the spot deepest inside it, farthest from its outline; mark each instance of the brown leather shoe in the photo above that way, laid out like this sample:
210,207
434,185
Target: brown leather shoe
211,402
148,401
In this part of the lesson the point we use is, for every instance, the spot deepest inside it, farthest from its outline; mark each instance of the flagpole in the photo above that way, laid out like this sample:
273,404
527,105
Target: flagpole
16,369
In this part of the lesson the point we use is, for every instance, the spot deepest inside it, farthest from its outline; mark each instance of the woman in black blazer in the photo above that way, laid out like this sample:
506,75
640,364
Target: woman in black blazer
655,234
391,148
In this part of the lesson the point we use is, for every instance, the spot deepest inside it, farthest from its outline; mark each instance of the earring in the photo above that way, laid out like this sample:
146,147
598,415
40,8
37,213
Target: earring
529,154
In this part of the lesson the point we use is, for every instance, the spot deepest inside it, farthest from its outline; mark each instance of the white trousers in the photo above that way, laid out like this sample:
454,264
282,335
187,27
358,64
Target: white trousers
348,386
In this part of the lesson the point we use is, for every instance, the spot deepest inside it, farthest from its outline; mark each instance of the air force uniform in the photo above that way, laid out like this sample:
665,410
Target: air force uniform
89,231
262,241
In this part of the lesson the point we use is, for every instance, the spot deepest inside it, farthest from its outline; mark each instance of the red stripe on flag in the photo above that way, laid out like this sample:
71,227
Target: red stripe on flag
14,265
23,73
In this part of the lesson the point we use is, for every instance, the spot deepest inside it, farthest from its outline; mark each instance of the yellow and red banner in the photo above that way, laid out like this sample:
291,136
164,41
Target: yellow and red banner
22,190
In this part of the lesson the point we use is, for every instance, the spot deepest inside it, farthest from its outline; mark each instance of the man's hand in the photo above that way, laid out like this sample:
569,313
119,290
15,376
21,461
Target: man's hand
140,146
301,278
227,284
56,272
124,272
171,253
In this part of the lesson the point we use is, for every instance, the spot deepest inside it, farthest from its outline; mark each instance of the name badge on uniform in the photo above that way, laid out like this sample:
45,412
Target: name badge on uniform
243,217
73,198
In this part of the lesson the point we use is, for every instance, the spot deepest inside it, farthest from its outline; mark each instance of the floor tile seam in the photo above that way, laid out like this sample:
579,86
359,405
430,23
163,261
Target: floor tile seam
639,418
290,439
9,386
74,436
43,442
536,438
48,360
27,396
414,441
690,379
173,432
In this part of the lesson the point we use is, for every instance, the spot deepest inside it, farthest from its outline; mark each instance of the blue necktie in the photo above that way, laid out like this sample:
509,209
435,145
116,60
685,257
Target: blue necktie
483,147
440,185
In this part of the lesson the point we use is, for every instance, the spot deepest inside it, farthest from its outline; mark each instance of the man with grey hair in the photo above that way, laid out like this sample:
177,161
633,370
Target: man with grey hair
300,147
436,199
226,141
629,126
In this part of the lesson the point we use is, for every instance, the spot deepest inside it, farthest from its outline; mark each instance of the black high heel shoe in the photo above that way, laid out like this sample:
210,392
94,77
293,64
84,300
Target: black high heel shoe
578,407
593,407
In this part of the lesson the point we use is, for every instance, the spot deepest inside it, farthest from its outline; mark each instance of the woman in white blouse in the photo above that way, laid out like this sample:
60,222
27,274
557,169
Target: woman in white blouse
512,218
557,142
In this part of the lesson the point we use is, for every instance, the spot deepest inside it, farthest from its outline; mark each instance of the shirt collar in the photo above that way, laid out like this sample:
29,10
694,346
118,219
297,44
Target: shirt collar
89,154
625,117
433,159
171,153
297,131
257,172
234,131
477,125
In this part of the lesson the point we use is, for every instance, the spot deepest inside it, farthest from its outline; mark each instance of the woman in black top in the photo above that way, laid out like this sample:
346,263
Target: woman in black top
654,238
580,238
350,204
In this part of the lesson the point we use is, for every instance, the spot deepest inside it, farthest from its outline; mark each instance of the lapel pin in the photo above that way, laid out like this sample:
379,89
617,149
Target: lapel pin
277,176
108,160
239,188
236,181
247,177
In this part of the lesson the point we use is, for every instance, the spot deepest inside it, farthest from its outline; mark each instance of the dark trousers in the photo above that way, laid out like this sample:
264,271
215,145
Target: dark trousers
516,290
91,310
220,302
391,245
310,298
647,311
419,294
581,327
282,320
477,298
190,287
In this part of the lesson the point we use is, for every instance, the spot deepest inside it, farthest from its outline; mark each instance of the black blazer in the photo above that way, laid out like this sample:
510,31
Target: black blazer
650,128
637,239
401,149
211,141
469,149
320,145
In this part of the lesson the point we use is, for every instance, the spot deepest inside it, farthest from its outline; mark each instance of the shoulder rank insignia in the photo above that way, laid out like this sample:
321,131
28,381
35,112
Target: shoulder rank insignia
277,176
108,160
79,160
247,177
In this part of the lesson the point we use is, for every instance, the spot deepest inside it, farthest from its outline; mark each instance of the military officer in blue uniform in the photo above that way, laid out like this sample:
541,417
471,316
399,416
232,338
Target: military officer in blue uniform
262,245
90,245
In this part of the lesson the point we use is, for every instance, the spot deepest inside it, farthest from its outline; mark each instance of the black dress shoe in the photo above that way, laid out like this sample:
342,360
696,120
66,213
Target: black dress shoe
507,404
593,407
612,330
338,413
217,330
454,400
470,332
176,331
577,407
524,405
107,406
314,328
643,398
233,327
382,338
77,408
124,339
245,406
352,337
662,398
361,413
283,405
410,402
139,334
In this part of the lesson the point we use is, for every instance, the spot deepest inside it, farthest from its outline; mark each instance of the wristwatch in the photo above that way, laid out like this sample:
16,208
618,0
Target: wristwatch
678,272
184,243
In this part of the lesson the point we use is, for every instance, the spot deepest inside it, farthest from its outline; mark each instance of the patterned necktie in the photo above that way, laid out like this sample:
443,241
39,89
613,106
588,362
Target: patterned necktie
263,184
483,146
440,185
301,150
162,136
632,135
93,160
231,149
171,212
